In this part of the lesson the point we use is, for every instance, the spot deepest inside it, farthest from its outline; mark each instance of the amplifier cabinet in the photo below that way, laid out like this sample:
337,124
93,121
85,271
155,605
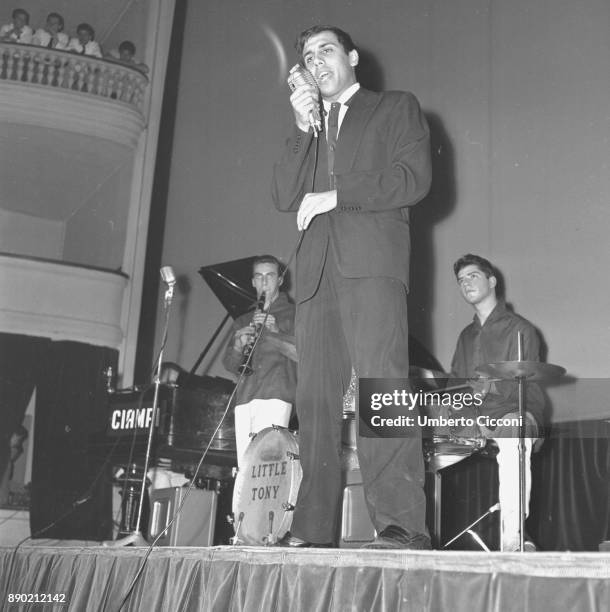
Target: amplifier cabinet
356,525
194,526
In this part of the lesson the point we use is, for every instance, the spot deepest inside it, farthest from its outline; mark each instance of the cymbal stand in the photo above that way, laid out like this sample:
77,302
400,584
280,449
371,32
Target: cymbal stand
521,370
521,446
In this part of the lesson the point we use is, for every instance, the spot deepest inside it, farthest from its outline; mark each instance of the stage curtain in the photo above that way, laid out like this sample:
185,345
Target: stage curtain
70,404
70,487
570,499
570,507
225,579
20,361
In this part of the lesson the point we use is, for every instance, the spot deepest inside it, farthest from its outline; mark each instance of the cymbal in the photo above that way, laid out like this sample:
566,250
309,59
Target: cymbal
532,370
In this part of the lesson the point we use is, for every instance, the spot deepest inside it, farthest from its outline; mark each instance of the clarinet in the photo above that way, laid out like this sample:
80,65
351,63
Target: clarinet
245,367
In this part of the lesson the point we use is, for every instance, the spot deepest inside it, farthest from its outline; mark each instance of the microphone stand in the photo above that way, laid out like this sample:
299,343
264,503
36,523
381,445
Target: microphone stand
136,538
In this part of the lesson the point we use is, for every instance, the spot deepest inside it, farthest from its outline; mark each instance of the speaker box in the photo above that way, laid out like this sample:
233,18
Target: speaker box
356,525
194,526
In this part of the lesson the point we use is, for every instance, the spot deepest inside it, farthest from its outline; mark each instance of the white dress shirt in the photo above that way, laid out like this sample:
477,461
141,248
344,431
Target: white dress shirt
42,39
343,98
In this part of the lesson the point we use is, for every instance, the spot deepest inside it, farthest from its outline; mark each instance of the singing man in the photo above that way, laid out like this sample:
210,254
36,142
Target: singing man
352,187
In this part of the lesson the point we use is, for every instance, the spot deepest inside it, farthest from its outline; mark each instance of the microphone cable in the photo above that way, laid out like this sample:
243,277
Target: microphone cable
295,250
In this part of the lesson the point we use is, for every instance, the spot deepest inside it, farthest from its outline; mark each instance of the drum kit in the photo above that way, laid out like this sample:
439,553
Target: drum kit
448,449
266,486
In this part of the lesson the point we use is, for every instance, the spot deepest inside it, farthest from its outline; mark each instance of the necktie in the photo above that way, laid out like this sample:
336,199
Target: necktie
331,138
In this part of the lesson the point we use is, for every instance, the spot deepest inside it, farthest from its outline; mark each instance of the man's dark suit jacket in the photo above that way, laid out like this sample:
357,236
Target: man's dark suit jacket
382,166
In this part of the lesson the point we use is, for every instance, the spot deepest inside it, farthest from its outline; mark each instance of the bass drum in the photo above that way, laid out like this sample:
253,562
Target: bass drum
266,487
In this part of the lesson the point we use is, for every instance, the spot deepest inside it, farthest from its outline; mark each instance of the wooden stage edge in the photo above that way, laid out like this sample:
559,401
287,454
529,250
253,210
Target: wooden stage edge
94,577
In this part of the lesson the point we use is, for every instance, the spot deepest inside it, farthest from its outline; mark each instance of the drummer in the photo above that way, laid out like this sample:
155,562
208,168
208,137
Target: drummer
265,397
492,337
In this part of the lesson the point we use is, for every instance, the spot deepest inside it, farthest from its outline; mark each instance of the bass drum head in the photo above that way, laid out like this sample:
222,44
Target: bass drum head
266,487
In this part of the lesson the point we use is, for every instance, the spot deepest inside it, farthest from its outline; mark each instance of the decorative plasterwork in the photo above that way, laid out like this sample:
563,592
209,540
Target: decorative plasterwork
61,301
64,109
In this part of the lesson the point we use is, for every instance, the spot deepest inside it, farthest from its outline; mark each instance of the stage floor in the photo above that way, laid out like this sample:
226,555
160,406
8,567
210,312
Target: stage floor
91,577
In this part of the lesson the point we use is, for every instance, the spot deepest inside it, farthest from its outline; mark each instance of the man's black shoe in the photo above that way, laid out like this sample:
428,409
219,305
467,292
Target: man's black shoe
292,541
396,537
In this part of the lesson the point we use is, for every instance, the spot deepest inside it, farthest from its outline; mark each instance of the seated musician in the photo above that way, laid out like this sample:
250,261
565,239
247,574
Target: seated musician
265,397
492,337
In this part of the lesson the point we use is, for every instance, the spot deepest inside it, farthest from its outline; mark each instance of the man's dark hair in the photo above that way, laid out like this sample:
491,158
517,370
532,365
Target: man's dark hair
58,17
20,11
128,46
343,37
268,259
474,260
87,27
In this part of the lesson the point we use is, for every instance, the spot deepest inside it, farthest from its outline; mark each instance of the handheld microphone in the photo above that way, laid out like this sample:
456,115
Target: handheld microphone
300,76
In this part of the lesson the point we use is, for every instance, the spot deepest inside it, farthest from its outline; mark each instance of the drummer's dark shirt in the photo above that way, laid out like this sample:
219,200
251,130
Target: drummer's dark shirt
495,341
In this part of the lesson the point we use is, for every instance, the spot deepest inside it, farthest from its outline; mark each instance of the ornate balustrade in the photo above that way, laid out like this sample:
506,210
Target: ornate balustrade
61,69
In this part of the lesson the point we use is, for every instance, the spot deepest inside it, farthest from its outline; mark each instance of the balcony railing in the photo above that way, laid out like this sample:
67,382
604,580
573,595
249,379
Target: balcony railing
50,68
60,300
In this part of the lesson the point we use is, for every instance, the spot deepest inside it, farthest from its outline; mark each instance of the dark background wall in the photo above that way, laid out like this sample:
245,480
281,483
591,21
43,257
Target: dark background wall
517,98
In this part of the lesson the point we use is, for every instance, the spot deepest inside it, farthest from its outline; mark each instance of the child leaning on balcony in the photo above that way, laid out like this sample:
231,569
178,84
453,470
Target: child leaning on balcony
126,55
84,42
18,31
52,35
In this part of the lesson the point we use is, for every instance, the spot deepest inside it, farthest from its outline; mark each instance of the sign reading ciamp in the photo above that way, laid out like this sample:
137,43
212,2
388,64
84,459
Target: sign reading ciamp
130,411
124,419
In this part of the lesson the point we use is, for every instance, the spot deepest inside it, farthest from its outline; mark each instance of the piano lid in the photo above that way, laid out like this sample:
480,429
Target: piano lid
231,282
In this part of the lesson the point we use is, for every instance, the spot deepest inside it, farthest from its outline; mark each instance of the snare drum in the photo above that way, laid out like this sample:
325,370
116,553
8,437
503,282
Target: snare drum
445,445
442,451
266,487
